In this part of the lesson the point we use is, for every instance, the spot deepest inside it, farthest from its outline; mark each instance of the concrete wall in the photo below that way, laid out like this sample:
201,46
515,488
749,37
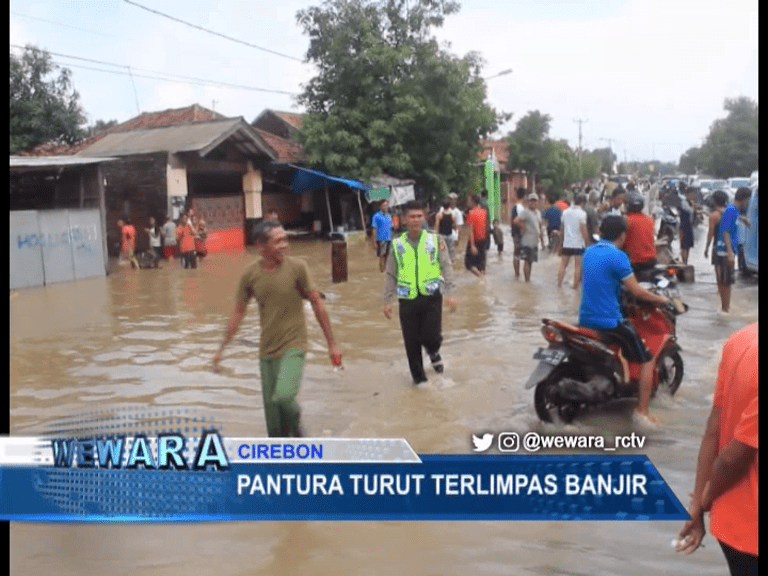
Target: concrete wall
49,246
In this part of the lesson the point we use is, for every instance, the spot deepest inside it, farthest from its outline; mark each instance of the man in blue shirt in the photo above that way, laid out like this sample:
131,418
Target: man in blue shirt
726,245
605,269
382,233
552,216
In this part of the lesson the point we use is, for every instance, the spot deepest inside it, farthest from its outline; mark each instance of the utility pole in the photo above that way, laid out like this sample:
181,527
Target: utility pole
213,105
579,120
610,148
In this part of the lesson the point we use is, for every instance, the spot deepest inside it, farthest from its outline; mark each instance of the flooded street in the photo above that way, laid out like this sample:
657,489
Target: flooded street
147,338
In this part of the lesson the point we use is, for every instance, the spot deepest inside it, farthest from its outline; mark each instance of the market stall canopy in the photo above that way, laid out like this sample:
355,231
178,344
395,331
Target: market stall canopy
398,191
306,179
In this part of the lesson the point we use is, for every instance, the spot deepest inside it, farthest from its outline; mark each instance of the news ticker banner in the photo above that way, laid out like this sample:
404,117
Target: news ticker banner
207,478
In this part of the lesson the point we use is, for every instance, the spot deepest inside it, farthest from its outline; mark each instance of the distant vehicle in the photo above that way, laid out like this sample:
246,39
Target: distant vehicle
706,186
621,179
750,235
736,183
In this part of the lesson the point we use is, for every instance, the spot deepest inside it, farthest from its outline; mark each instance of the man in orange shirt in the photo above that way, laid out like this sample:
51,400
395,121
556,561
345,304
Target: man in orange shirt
727,472
185,238
640,244
128,245
474,259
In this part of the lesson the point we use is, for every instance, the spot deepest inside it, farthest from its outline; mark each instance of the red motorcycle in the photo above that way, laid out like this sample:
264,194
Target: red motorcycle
579,369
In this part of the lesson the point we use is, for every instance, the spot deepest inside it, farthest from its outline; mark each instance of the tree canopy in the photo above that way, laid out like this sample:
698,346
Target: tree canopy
552,163
388,98
730,148
43,104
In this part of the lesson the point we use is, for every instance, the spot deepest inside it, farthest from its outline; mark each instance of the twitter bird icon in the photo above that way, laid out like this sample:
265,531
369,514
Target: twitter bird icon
482,444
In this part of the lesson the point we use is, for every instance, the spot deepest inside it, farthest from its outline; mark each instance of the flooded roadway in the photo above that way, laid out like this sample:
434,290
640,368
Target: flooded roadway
147,338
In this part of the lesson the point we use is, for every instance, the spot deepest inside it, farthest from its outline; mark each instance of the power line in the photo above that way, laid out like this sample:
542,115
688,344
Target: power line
62,24
183,79
212,31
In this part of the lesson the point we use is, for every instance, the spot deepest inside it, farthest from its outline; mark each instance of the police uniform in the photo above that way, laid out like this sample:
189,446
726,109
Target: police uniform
417,273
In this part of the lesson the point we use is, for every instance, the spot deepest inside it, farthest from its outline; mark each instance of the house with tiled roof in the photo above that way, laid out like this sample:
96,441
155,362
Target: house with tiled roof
169,161
170,117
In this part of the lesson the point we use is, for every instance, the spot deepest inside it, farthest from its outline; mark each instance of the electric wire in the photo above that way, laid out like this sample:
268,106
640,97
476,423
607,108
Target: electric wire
213,32
164,75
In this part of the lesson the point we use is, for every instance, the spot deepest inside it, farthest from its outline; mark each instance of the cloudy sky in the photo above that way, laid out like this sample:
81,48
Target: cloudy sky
650,75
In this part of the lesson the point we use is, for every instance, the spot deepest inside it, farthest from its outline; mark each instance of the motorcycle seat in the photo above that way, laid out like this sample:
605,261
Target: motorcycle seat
576,329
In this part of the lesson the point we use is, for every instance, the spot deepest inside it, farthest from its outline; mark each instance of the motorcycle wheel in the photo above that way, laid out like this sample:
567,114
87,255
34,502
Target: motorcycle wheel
670,367
544,403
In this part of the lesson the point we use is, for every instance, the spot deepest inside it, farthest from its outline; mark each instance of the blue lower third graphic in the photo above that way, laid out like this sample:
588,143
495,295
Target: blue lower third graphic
439,487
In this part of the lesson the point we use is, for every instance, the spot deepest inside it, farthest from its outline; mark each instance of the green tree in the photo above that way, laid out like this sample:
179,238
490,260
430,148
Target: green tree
528,144
561,165
730,148
43,104
690,161
98,126
591,165
388,98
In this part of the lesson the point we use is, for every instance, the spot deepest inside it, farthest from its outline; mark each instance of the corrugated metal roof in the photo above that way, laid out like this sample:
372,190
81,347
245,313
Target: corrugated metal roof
19,162
201,137
188,115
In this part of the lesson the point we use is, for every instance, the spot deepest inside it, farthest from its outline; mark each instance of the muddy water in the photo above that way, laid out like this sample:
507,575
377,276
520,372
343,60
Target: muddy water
147,338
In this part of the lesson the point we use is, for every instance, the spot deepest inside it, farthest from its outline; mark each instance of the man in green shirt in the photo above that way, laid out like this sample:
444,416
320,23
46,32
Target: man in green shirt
279,283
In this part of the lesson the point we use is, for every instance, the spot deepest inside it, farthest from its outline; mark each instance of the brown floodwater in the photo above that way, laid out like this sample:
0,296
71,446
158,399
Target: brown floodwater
147,338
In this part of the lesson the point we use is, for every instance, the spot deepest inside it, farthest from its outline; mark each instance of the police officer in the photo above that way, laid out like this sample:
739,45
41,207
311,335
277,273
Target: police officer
418,271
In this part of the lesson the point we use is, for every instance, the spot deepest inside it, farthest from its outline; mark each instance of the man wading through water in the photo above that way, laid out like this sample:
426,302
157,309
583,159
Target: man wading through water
279,283
418,269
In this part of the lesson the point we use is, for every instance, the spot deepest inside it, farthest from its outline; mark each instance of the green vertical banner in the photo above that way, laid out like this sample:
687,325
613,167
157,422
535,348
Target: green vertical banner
497,189
490,187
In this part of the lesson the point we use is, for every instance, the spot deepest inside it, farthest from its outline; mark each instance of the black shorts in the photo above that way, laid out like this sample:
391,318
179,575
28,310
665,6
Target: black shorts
572,252
529,253
724,269
627,337
383,247
477,261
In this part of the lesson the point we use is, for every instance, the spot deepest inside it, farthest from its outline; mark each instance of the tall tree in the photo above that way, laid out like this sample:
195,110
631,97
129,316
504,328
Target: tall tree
732,143
388,98
99,126
561,165
690,161
528,144
43,104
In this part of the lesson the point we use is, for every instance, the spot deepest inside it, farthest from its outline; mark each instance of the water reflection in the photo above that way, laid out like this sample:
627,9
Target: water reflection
147,338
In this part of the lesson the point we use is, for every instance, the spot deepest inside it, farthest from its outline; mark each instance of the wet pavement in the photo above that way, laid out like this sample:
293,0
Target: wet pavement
147,338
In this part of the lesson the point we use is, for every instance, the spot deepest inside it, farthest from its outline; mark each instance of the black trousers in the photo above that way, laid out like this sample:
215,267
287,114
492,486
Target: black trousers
739,563
421,322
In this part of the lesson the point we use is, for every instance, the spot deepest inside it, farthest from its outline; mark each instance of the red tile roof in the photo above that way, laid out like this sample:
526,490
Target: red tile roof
171,117
287,150
291,118
499,148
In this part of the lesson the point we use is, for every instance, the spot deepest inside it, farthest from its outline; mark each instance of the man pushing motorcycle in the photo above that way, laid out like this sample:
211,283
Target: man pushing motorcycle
605,269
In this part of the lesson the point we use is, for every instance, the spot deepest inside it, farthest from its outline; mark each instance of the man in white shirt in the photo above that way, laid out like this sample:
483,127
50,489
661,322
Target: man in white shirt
458,219
574,238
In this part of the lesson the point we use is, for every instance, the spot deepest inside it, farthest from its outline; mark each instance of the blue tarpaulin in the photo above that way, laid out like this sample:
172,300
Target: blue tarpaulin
306,179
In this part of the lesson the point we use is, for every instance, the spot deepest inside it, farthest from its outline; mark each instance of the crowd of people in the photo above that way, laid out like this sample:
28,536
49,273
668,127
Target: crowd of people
611,243
183,238
607,232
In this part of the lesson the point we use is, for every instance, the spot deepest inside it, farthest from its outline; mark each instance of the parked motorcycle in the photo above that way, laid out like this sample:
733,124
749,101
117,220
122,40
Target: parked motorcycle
579,369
